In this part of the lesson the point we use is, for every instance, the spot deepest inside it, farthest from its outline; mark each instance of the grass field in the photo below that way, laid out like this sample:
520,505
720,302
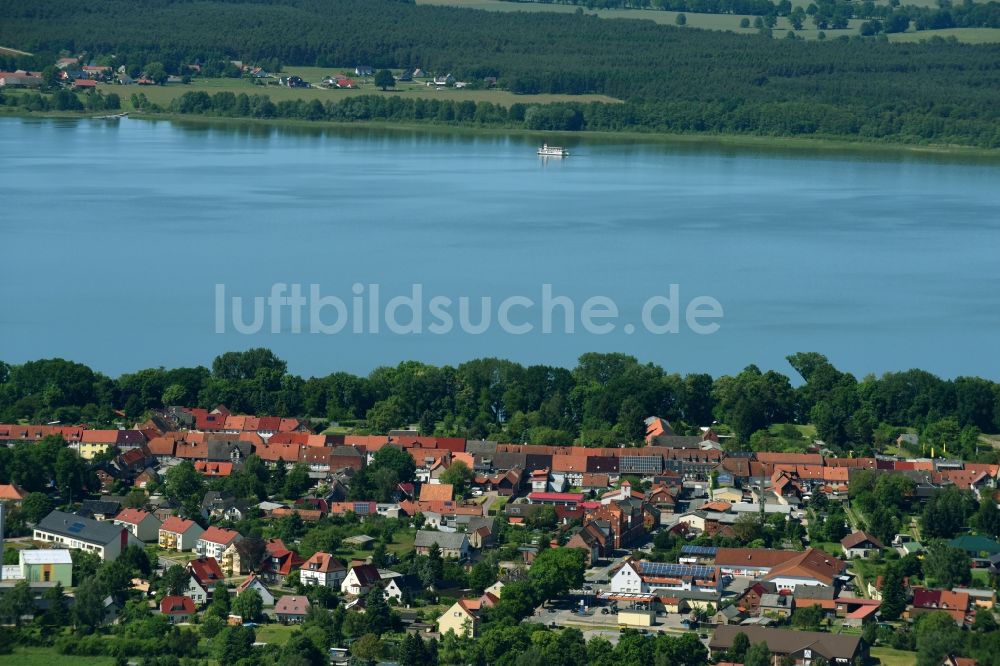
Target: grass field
967,35
278,634
163,95
12,52
39,656
890,657
722,21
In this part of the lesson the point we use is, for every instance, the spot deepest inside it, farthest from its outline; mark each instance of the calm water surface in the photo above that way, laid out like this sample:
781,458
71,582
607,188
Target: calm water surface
114,235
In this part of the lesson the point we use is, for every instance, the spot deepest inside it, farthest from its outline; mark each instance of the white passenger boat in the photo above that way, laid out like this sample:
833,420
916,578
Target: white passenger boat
552,151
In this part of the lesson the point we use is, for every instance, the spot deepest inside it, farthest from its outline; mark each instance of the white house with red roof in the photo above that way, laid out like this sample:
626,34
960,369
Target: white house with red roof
177,608
214,541
207,573
360,579
143,525
254,583
179,534
322,569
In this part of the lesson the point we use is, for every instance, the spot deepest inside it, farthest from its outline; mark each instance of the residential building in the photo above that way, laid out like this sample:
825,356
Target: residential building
254,583
104,539
179,534
143,525
454,545
860,544
11,494
360,580
207,572
214,541
322,569
177,608
462,618
802,647
291,609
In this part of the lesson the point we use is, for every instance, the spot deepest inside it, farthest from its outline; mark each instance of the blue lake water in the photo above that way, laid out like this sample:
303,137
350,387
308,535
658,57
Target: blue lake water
115,235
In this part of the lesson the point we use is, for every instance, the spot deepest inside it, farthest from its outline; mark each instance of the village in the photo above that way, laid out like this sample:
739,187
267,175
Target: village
674,537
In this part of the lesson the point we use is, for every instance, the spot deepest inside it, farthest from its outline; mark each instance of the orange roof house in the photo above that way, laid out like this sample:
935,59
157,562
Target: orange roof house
436,492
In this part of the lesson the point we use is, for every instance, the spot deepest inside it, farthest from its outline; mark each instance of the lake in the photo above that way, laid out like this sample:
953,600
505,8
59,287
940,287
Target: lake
119,238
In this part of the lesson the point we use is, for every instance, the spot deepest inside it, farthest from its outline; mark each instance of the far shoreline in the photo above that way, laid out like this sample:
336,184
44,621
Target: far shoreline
744,142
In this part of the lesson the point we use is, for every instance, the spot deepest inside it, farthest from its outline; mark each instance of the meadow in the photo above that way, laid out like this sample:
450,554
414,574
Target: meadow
730,22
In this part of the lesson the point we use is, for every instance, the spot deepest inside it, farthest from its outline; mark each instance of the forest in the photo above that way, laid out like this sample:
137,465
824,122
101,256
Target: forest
672,79
600,402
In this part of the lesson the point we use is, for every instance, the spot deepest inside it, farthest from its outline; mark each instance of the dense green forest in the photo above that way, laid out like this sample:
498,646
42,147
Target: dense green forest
675,79
602,401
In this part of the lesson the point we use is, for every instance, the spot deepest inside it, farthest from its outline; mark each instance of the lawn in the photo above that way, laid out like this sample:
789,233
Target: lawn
890,657
42,656
163,95
725,21
981,578
968,35
274,633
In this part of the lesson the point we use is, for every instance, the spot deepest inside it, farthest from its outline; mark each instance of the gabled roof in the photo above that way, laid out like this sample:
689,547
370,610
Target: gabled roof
177,525
245,585
132,516
177,605
292,605
367,574
436,492
783,641
811,563
206,571
11,492
444,540
322,563
219,535
78,527
855,539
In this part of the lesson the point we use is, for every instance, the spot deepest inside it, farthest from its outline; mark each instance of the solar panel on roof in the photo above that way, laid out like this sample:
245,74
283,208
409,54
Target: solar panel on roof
672,570
76,528
698,550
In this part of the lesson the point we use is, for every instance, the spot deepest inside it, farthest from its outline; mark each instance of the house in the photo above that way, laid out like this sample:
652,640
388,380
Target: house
93,442
207,573
221,506
480,530
462,618
397,586
280,561
103,509
860,544
104,539
979,548
360,580
730,614
42,566
454,545
179,534
11,494
143,525
952,660
214,541
291,609
802,647
778,606
254,583
956,604
177,608
322,569
641,577
437,492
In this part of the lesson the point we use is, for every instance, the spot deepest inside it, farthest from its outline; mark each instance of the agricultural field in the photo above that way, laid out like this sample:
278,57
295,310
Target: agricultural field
42,656
729,22
163,95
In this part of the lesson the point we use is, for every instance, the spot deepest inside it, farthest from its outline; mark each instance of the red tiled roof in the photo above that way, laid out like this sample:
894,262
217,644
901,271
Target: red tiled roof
213,468
177,605
439,492
219,535
10,492
132,516
323,563
206,571
177,525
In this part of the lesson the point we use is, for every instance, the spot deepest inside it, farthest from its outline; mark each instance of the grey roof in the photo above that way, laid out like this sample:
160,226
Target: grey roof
91,508
813,592
81,528
221,450
504,461
481,521
783,641
449,540
481,447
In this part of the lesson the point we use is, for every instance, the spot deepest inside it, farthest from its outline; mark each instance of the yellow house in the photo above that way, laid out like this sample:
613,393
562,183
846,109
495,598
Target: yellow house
461,618
94,442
